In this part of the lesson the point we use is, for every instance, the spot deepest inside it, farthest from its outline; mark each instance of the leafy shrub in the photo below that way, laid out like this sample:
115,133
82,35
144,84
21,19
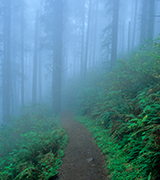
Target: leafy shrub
126,118
31,147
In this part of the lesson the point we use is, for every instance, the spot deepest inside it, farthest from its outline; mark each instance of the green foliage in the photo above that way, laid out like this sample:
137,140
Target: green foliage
31,147
126,115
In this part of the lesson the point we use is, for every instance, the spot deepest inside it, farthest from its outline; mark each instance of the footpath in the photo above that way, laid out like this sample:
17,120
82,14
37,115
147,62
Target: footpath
83,160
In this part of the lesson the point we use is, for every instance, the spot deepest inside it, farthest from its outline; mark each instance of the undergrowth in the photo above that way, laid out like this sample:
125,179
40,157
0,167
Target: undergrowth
32,146
125,115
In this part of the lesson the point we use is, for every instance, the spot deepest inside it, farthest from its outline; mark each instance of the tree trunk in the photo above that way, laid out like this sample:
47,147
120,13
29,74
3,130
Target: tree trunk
95,35
40,77
6,64
129,36
82,38
143,28
134,24
57,61
87,39
114,32
151,19
22,53
35,56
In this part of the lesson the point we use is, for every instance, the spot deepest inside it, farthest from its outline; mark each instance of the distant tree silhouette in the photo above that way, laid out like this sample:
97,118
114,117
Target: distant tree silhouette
114,41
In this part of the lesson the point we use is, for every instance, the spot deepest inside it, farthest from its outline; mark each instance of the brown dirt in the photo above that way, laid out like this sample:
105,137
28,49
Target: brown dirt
83,160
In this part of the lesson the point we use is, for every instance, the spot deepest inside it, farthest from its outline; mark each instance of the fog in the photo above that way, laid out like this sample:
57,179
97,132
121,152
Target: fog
46,43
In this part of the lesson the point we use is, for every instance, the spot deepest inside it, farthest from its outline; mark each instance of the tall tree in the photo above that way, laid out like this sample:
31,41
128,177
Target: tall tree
57,55
22,53
87,39
129,36
115,20
35,59
6,67
53,21
82,37
134,23
95,34
151,17
40,87
143,26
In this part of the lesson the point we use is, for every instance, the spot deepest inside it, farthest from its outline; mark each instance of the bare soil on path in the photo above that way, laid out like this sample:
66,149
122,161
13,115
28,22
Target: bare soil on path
83,160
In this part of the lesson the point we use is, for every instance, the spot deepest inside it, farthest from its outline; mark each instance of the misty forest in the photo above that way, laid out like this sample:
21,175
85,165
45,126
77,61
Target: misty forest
68,66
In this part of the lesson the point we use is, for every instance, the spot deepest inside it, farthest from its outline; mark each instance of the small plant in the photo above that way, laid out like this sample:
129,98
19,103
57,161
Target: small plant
31,148
125,117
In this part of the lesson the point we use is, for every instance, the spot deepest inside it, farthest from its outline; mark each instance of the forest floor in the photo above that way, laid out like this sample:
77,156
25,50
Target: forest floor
83,160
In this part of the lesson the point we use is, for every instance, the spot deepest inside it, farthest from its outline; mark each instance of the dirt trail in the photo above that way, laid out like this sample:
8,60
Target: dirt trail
83,160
